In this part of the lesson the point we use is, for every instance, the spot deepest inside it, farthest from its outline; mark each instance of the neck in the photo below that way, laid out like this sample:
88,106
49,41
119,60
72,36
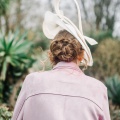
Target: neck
76,61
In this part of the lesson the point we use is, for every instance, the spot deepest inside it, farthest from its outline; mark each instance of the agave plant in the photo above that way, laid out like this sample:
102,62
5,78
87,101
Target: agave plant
113,86
15,55
15,60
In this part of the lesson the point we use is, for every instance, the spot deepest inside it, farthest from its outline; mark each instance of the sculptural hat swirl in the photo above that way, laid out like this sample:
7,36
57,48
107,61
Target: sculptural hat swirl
54,22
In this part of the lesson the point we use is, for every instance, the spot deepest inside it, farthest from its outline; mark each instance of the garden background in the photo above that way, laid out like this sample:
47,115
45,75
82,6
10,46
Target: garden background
23,46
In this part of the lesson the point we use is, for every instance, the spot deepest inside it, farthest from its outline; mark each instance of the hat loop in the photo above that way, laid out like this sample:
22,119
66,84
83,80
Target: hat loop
60,13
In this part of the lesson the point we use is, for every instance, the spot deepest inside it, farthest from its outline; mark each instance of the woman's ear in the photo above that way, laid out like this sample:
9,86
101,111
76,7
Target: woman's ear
79,58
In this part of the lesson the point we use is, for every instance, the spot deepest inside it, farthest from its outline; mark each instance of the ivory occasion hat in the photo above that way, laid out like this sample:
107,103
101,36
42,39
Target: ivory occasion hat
54,22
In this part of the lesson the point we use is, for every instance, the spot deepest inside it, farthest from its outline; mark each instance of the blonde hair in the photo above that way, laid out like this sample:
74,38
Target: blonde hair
65,47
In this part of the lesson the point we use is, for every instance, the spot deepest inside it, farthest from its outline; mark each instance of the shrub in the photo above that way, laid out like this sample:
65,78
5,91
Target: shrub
115,115
106,59
5,114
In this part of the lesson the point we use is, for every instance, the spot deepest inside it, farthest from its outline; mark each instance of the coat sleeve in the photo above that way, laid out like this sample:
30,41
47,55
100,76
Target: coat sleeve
19,106
106,111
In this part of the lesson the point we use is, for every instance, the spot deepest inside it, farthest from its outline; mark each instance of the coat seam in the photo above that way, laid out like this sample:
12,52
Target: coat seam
64,95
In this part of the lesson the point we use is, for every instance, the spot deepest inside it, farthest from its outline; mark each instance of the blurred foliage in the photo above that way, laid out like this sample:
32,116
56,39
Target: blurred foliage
1,91
41,46
106,59
14,54
5,114
102,11
4,12
42,61
3,6
15,59
43,42
99,36
115,115
113,87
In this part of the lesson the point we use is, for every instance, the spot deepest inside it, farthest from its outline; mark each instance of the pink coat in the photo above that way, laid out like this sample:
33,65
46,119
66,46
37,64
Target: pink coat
63,93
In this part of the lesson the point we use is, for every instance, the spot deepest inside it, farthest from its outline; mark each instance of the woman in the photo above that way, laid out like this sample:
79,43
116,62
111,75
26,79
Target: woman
64,92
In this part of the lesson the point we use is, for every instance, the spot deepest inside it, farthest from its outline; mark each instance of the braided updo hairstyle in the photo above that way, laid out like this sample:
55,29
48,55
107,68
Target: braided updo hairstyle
65,47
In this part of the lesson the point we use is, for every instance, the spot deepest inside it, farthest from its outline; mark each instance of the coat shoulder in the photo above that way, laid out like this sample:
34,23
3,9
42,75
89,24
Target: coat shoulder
96,83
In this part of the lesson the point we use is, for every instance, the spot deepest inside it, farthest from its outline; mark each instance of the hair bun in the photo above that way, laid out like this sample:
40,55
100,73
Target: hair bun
65,47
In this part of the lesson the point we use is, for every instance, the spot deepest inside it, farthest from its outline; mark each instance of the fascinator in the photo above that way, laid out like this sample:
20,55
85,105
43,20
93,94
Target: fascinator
54,22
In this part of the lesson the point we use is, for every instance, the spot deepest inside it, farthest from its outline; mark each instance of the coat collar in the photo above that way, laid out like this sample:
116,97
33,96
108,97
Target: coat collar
69,65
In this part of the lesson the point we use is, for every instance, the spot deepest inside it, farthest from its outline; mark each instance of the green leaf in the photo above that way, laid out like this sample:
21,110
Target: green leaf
113,87
4,70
